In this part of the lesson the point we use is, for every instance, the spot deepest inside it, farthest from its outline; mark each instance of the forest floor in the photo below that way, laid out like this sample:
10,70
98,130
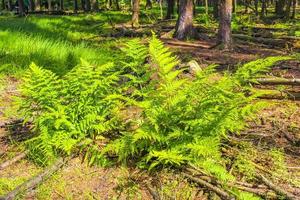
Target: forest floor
276,127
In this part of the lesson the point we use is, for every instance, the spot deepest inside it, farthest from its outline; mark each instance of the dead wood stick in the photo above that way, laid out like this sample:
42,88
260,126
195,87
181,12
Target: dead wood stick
12,161
153,192
215,189
278,81
33,182
277,189
266,41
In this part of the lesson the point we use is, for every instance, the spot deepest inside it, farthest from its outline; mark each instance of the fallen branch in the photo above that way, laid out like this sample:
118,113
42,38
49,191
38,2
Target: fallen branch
275,94
153,192
277,189
32,183
206,184
12,161
278,81
266,41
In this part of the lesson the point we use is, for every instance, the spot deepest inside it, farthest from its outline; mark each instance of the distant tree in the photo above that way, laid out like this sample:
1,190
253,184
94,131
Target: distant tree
135,13
75,6
95,5
148,4
61,5
224,34
87,7
50,8
279,7
184,25
21,8
170,9
38,5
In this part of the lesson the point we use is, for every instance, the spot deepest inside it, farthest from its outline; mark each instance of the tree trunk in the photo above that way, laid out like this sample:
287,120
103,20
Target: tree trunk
95,5
224,35
288,9
83,4
3,4
21,8
294,9
256,7
206,7
234,6
118,5
148,4
9,5
170,9
263,8
38,5
87,6
184,25
279,7
50,5
31,6
75,6
216,9
61,5
135,13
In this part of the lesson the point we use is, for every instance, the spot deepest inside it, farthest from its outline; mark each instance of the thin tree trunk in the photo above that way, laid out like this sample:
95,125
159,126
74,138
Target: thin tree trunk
216,9
279,7
21,8
148,4
117,5
87,6
288,9
206,7
38,5
135,13
95,5
184,26
50,5
83,4
9,5
170,9
61,5
31,6
75,6
224,35
294,9
234,6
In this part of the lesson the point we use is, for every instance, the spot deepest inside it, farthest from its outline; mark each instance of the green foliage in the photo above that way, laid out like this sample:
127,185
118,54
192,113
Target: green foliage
175,120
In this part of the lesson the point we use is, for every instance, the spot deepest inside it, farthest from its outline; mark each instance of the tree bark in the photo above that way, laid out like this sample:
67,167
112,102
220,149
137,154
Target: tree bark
148,4
21,8
279,7
288,9
38,5
118,5
95,5
135,13
61,5
224,34
87,7
31,6
50,5
75,6
170,9
216,9
184,25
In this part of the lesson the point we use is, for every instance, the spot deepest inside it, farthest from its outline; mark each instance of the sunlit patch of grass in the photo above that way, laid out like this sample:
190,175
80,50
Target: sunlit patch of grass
18,50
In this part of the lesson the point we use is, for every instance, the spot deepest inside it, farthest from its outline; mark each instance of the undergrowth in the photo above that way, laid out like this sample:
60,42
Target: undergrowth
144,110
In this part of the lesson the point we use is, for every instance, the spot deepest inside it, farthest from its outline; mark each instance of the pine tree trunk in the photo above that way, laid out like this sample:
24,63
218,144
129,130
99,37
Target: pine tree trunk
184,25
3,4
75,6
216,9
135,13
117,5
294,9
279,7
87,6
95,5
83,4
148,4
61,5
288,9
170,9
9,5
21,8
38,5
224,34
50,5
31,6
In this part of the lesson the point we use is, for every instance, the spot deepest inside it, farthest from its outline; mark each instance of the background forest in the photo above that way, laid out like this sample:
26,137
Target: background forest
136,99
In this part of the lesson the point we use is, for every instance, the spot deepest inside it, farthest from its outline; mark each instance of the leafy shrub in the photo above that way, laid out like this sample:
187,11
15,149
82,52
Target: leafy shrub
174,120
